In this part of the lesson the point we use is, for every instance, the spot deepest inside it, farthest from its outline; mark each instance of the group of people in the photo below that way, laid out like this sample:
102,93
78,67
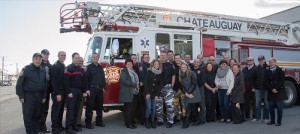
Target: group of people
167,88
68,85
173,89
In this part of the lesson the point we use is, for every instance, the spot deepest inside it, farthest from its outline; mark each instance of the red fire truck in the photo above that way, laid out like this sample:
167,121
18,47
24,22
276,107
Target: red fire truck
120,30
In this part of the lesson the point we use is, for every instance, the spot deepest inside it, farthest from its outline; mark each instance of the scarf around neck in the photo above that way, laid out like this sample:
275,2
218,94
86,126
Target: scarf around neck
133,76
156,71
222,73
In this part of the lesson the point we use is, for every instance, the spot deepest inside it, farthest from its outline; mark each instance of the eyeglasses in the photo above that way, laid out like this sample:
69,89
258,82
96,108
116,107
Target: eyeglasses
211,60
249,60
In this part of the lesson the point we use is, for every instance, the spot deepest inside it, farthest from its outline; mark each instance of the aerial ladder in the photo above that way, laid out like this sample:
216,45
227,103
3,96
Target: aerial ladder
93,17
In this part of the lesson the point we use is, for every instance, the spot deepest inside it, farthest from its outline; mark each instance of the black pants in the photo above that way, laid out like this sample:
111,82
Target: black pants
45,107
57,111
141,106
136,112
96,95
128,113
249,101
210,103
236,114
31,110
72,107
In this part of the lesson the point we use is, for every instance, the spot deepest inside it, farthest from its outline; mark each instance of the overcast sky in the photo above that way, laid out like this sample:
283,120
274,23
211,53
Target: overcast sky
28,26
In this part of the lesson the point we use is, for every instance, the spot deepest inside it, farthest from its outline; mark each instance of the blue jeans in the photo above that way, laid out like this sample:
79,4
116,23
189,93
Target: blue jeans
259,94
224,103
150,108
272,111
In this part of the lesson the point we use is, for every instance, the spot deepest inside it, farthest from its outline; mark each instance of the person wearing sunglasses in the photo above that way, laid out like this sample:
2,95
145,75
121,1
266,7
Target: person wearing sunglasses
248,72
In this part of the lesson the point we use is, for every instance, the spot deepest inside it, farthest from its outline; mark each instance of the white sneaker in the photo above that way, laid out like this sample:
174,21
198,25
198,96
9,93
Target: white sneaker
266,121
255,120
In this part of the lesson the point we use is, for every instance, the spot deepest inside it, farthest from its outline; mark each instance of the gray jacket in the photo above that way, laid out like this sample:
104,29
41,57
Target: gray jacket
237,93
127,87
191,86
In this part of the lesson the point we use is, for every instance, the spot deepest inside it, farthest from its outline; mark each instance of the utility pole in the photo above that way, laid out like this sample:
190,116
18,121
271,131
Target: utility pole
2,69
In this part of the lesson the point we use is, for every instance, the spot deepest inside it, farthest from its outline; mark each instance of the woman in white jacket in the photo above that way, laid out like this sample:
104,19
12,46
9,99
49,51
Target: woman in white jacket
224,81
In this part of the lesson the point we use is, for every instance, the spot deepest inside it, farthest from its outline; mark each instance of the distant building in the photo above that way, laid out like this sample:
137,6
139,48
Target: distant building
291,15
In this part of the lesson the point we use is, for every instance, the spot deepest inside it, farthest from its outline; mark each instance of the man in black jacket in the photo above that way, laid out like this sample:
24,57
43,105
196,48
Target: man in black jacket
200,73
95,84
260,85
142,74
31,89
73,80
45,107
58,93
248,72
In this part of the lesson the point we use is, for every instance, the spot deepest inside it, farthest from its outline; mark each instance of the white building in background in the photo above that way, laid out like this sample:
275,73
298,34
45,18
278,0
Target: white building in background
291,15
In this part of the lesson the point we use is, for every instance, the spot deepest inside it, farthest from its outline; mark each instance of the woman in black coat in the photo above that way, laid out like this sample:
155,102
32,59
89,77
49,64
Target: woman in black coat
153,84
276,91
128,87
210,93
237,95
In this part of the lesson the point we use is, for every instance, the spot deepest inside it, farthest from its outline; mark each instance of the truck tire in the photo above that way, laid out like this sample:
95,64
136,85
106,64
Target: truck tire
291,94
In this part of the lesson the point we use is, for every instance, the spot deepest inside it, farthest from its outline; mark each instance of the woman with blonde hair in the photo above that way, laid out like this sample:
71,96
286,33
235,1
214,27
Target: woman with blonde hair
153,85
188,82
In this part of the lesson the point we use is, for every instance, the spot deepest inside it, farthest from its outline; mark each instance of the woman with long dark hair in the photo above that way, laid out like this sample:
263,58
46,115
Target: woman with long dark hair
210,92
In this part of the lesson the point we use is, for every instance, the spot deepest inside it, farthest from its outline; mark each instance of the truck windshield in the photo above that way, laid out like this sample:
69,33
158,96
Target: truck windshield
94,47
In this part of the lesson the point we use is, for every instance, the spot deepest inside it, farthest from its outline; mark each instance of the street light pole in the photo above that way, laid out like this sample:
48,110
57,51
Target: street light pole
2,69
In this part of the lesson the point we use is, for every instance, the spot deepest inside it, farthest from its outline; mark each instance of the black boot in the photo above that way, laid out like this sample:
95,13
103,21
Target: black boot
153,125
147,123
183,122
187,124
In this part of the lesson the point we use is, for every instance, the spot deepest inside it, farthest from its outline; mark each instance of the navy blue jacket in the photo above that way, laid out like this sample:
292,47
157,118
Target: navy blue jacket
32,79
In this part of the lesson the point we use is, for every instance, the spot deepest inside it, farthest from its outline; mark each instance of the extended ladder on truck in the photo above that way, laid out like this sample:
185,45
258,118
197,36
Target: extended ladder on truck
92,16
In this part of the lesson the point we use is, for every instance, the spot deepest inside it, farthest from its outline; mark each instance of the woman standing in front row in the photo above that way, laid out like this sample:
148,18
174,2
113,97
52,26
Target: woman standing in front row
224,81
128,86
188,81
237,95
153,85
210,93
276,94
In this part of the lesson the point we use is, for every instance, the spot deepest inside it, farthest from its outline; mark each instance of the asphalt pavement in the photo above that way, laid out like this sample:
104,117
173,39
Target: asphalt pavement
11,122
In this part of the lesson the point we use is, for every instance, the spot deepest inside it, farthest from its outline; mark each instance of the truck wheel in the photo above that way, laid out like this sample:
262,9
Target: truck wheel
291,93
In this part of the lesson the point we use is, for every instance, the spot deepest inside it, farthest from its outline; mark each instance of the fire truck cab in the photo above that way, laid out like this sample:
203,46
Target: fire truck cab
121,30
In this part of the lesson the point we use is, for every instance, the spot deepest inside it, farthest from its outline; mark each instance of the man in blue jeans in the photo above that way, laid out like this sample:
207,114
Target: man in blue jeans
261,91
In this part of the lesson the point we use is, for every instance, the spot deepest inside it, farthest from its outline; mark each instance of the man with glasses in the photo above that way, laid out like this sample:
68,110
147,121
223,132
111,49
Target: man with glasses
78,121
212,60
260,88
248,72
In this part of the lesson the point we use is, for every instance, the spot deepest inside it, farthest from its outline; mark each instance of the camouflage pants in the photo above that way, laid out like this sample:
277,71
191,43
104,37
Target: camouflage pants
179,108
167,96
